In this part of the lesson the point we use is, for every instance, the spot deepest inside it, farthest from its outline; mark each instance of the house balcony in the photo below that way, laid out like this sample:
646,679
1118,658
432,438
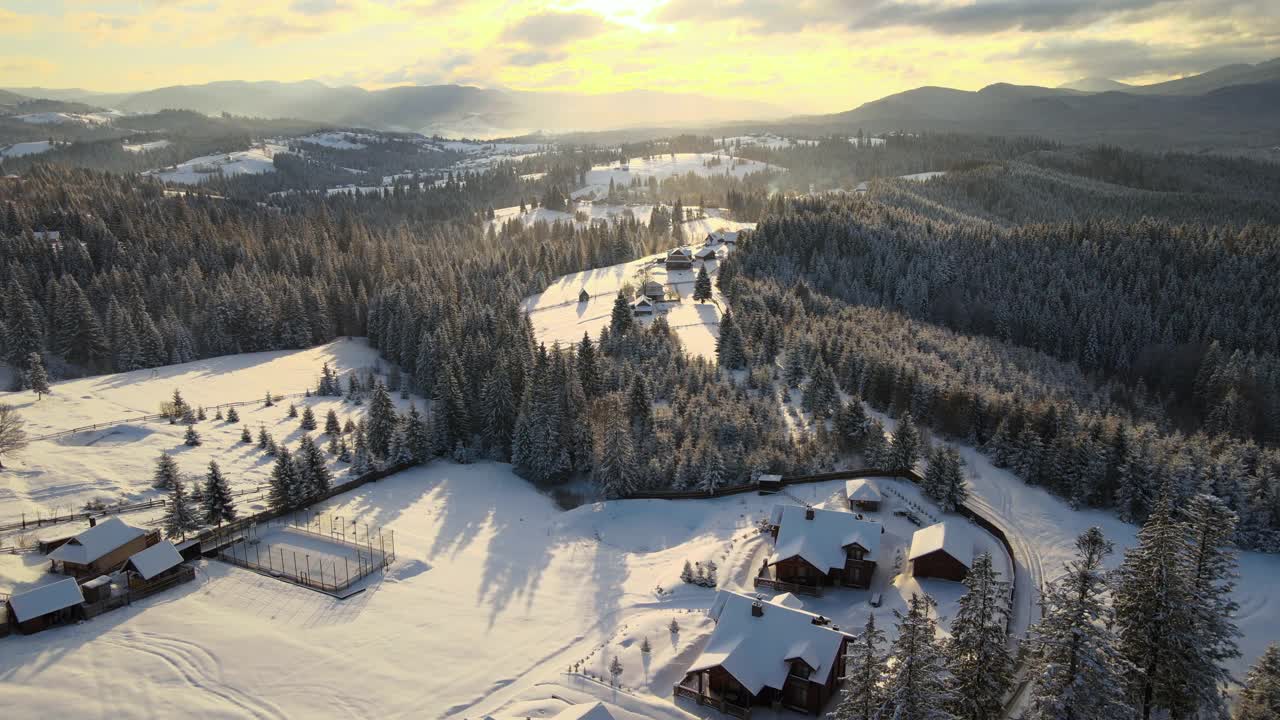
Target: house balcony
712,699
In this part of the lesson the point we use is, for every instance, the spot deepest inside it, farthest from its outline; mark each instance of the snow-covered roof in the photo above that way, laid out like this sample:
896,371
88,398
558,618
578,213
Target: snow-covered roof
96,542
653,286
156,559
821,541
705,252
678,252
642,301
45,599
757,651
862,490
97,582
948,536
591,711
786,599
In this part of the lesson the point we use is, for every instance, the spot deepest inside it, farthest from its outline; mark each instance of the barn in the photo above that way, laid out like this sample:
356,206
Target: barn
863,495
47,606
765,654
944,551
101,549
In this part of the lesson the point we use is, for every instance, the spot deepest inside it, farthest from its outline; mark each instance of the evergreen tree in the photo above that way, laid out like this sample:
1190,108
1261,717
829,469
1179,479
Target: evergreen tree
1211,565
1260,698
308,422
382,422
614,470
179,518
166,472
977,653
285,482
37,378
245,435
313,474
731,352
916,688
944,480
332,427
293,411
499,408
1080,673
865,669
192,438
217,505
417,439
621,319
702,286
232,416
875,448
588,367
904,450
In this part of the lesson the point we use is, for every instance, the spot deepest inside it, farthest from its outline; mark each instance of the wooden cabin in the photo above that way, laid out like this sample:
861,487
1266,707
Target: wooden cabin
642,306
820,548
584,296
765,654
944,551
653,290
153,565
863,495
706,253
679,259
104,547
47,606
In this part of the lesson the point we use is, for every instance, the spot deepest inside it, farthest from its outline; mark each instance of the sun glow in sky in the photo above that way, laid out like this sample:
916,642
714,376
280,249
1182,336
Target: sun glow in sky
802,55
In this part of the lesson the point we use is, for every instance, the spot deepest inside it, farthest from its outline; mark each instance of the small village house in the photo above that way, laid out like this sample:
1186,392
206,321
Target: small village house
153,565
765,654
705,253
653,290
597,710
820,548
642,306
944,550
679,259
100,549
863,495
583,295
46,606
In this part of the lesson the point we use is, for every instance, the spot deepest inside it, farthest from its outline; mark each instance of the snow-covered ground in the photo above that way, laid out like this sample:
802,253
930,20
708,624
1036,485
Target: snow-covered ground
26,148
663,167
253,161
921,177
765,140
339,140
146,146
61,118
557,315
115,463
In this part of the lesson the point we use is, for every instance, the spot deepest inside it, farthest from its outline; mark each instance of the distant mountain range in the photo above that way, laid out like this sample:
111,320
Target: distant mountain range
434,108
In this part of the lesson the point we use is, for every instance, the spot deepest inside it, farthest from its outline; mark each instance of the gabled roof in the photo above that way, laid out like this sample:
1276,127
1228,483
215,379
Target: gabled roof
156,559
681,252
786,599
653,286
757,651
592,711
948,536
96,542
706,252
46,599
822,541
862,490
642,300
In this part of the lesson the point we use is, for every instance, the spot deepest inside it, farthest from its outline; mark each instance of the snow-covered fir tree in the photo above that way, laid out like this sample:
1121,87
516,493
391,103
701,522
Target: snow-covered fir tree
615,465
165,476
308,421
245,435
978,656
1260,697
904,449
191,438
417,438
1074,654
620,319
216,503
702,285
917,686
1211,564
499,408
37,378
285,483
381,421
944,480
865,667
332,427
313,473
232,416
179,517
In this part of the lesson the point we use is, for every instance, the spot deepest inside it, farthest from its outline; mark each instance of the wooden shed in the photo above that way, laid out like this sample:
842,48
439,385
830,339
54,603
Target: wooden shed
944,551
863,495
100,549
153,565
46,606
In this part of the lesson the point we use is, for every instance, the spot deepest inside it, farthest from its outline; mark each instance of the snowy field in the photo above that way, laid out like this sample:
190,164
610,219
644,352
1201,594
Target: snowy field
557,315
339,140
115,464
147,146
663,167
921,177
254,161
26,148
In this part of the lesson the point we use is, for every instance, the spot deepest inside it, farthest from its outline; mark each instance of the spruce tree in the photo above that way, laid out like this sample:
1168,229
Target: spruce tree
615,470
216,498
1074,655
916,688
1211,565
417,439
232,416
314,476
499,409
865,669
245,435
1260,698
332,427
588,367
308,422
179,518
191,438
166,472
621,320
37,378
284,486
978,655
293,411
702,286
904,450
382,422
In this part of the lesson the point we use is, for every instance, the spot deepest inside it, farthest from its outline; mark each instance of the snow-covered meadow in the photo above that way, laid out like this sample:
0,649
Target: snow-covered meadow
26,148
662,167
254,161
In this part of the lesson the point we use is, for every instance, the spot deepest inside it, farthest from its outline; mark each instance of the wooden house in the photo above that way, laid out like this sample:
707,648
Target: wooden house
101,549
653,290
642,306
679,259
863,495
153,565
944,550
46,606
583,296
765,654
706,253
598,710
820,548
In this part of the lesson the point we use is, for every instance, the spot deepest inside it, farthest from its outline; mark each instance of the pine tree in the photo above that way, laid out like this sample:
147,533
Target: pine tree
191,438
875,448
217,506
332,427
37,378
417,439
615,470
1080,673
268,401
588,367
1260,698
865,668
166,473
621,319
178,515
686,574
944,480
499,409
702,286
731,352
1156,616
615,670
285,481
904,450
382,422
245,435
293,411
977,654
232,416
1212,568
916,688
308,422
314,476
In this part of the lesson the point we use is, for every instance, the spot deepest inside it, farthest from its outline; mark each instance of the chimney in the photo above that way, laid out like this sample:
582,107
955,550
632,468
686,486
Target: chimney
93,522
808,513
757,610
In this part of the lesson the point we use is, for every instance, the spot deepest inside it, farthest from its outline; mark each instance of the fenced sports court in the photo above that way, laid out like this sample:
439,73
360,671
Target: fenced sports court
329,553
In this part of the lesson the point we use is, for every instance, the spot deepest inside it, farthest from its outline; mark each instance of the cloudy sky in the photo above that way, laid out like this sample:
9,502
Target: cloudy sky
804,55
